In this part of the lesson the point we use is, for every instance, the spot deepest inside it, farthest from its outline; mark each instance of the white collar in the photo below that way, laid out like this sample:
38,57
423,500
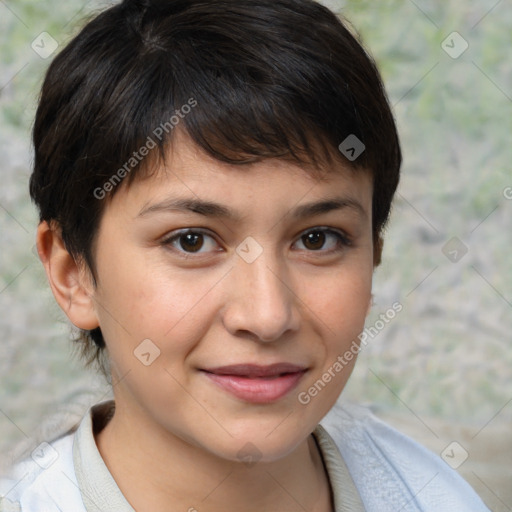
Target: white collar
100,491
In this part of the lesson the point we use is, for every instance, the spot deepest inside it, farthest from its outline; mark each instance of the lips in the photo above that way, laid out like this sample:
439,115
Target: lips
257,384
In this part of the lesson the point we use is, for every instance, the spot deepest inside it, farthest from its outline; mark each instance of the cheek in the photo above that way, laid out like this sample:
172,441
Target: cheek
164,305
341,301
339,309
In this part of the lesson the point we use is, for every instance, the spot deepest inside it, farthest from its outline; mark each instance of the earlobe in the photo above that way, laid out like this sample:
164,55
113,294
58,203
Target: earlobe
69,282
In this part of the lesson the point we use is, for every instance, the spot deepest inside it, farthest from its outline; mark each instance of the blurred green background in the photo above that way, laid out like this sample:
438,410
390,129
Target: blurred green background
442,369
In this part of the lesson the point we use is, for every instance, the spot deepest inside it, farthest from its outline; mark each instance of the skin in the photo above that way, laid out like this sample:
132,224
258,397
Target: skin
173,441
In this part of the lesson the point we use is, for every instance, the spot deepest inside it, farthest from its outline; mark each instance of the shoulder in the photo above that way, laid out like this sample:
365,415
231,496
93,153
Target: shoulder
43,481
393,472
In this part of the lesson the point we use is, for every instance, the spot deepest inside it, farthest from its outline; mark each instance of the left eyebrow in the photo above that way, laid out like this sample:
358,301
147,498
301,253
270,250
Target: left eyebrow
328,205
212,209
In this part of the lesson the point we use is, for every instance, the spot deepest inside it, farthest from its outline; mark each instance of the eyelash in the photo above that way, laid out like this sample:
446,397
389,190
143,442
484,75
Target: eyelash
342,240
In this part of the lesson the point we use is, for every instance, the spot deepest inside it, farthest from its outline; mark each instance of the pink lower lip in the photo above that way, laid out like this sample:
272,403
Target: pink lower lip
257,390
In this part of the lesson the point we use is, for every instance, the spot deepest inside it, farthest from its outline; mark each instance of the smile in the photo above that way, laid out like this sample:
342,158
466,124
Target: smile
257,384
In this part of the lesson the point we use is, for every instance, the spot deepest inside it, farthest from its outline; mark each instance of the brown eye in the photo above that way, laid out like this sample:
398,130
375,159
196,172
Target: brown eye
191,242
314,240
323,240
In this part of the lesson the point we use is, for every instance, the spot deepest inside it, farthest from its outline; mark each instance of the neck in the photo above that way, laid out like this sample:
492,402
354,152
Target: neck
158,471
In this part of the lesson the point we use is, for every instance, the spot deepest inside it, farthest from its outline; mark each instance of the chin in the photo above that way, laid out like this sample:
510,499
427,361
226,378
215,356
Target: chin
262,445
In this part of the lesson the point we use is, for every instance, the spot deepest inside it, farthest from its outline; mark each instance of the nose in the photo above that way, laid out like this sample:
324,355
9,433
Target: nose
261,302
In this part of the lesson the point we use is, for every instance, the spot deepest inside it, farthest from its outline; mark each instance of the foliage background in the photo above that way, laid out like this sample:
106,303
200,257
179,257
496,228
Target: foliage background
445,360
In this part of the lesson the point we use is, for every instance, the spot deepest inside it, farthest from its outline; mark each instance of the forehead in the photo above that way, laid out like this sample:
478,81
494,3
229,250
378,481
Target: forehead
189,174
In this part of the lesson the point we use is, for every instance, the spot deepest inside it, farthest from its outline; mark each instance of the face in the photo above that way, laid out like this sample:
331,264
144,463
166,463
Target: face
226,292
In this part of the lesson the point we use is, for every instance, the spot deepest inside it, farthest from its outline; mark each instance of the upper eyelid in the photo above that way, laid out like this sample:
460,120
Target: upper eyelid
175,235
183,231
326,229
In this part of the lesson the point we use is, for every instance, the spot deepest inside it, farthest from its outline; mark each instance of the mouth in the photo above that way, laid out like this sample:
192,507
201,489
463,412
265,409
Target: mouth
257,384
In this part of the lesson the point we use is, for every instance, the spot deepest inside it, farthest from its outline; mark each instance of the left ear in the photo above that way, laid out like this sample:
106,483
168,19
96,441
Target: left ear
70,283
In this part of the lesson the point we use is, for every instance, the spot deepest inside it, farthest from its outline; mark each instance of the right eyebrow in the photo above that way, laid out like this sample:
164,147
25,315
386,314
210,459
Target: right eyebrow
206,208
